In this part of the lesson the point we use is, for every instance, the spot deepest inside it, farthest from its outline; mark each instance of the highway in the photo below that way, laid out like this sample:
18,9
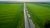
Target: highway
28,21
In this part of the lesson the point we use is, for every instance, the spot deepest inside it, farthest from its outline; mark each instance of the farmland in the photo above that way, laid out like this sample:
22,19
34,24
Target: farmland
11,15
40,13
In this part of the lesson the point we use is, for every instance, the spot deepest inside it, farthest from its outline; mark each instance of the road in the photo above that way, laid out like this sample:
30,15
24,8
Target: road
28,21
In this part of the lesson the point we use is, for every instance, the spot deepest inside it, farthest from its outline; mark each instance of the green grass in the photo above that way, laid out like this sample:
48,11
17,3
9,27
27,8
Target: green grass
45,5
11,16
40,14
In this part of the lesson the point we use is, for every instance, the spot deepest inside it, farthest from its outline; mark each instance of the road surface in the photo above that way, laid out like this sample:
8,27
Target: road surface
28,21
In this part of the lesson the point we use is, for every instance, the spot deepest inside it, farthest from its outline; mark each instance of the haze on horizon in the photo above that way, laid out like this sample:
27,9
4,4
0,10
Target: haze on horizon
28,0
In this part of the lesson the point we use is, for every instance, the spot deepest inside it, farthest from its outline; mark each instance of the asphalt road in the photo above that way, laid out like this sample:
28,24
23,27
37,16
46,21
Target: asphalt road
28,21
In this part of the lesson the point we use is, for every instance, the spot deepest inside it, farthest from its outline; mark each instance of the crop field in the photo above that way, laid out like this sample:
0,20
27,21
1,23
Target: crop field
44,4
11,16
40,14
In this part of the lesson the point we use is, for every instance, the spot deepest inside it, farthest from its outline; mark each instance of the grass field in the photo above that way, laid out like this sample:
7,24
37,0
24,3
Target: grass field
11,16
40,14
45,4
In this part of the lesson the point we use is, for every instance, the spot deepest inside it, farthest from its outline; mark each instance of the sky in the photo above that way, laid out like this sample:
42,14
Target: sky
29,0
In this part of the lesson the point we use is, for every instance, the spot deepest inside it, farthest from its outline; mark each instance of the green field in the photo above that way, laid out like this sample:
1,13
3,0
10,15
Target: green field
11,16
45,5
39,13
